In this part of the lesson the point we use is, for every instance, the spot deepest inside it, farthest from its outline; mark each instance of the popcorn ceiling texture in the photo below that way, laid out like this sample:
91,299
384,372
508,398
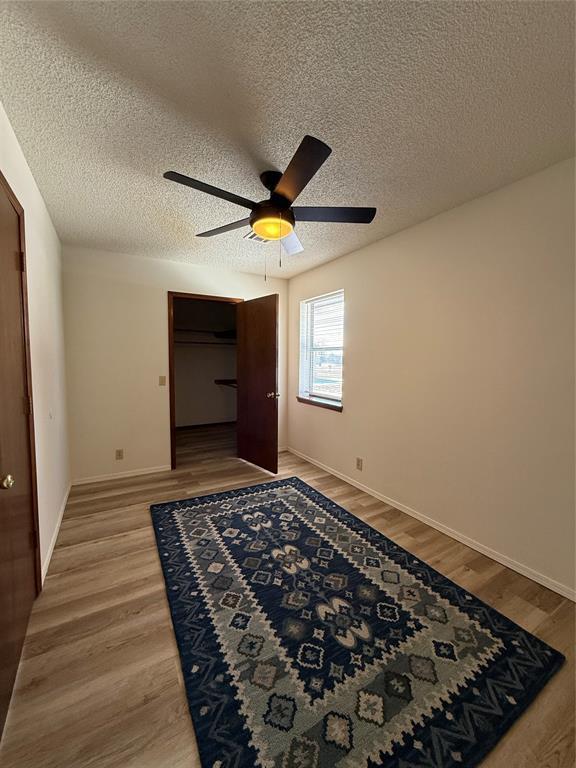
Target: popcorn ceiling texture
426,105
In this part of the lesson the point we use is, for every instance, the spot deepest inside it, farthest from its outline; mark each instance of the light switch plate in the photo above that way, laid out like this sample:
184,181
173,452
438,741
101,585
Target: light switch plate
161,381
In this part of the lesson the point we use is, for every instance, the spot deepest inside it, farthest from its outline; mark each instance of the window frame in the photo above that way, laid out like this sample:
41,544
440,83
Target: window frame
306,353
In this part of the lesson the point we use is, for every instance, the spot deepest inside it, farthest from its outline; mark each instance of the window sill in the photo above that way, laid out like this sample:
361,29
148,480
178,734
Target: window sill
320,403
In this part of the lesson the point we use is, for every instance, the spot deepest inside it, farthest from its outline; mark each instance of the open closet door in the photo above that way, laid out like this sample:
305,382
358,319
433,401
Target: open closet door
257,374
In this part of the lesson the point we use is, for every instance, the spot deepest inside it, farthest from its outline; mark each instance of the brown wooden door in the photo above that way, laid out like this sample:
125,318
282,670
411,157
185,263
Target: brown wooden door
257,374
18,564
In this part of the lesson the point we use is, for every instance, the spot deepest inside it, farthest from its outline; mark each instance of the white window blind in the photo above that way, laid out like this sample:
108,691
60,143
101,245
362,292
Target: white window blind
321,347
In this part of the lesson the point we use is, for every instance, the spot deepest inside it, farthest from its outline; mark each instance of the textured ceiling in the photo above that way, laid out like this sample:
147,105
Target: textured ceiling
426,105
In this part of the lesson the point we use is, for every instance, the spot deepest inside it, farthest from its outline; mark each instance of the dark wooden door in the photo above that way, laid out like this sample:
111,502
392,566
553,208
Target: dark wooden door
18,556
257,374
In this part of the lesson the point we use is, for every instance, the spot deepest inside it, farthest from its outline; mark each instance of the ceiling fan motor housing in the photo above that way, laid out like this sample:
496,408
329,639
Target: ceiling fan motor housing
270,209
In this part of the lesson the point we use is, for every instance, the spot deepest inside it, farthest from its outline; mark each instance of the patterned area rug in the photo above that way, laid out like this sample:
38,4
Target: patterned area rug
310,640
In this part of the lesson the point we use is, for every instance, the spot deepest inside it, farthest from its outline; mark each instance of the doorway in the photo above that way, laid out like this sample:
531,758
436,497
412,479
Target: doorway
204,379
20,574
223,379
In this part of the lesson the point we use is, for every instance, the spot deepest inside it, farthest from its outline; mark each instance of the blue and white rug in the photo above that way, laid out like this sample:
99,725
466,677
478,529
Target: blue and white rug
310,640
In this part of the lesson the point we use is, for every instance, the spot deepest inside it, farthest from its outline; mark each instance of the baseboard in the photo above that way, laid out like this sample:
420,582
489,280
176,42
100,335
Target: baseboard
119,475
46,563
520,568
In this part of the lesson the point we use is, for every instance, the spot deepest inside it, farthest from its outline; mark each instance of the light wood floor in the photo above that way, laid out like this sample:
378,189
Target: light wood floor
195,445
99,685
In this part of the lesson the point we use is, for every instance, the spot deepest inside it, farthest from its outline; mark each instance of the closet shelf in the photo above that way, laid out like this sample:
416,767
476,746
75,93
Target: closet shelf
228,334
207,343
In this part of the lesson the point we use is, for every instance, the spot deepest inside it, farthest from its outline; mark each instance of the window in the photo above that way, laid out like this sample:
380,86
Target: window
321,348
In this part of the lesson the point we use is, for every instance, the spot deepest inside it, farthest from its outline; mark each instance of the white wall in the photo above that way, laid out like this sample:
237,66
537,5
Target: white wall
117,347
46,340
198,399
459,372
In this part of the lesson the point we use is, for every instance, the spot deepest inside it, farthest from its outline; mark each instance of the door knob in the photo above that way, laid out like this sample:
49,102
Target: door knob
7,482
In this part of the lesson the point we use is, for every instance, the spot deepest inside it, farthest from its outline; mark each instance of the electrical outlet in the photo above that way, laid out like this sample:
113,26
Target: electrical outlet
119,454
359,463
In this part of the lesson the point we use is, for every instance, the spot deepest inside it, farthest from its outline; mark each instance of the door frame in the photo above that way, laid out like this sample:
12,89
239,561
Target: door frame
26,335
171,383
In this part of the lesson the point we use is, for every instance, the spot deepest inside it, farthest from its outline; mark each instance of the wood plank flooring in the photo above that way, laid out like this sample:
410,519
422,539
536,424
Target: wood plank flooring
99,685
206,441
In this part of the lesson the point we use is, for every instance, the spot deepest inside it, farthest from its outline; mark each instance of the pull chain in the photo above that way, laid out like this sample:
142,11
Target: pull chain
280,243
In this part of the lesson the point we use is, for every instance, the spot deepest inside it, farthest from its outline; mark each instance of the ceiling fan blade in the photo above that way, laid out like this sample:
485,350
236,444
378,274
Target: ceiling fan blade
209,189
291,244
334,214
307,159
225,228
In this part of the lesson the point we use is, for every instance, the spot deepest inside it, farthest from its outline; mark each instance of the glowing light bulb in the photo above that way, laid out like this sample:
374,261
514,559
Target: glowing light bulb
272,227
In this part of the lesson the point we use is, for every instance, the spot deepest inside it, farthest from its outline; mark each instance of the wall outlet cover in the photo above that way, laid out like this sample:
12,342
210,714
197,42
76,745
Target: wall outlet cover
359,463
119,454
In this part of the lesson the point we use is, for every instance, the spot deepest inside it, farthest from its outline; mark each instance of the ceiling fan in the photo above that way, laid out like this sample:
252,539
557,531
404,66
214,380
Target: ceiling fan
275,218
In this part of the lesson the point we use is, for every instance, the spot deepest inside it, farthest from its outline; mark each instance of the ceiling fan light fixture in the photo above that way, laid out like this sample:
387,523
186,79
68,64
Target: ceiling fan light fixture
272,227
271,221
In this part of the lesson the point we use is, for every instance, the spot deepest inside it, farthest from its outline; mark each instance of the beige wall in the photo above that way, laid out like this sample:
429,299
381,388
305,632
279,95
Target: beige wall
46,341
459,372
198,399
117,347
